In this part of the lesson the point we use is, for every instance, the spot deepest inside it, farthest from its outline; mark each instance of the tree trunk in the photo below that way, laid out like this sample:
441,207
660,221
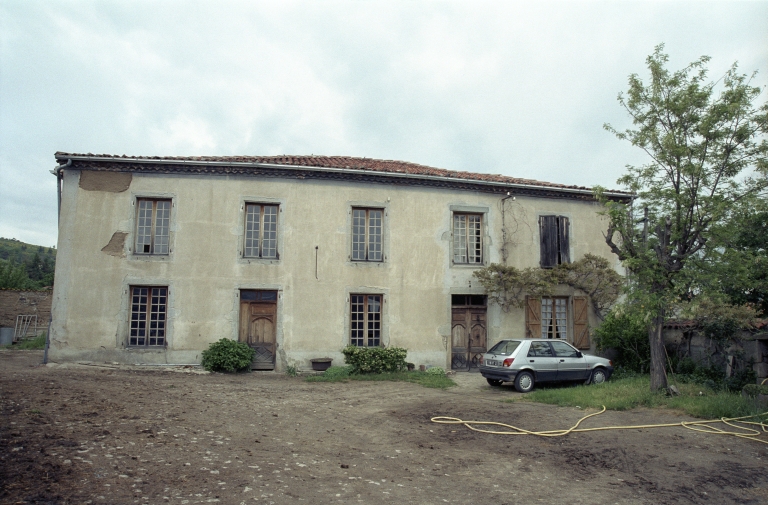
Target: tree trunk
658,354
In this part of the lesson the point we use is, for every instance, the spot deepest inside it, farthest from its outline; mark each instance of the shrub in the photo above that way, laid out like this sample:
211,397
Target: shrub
227,355
627,334
375,359
337,371
435,370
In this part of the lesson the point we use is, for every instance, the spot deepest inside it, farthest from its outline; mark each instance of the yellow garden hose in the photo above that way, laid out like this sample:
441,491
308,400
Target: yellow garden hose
702,426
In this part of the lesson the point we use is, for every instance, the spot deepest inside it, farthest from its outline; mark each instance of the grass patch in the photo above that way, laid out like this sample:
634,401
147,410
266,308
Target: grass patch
342,374
29,343
632,392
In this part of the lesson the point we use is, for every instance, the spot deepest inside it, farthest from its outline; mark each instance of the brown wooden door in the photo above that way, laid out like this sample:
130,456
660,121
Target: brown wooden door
468,336
257,328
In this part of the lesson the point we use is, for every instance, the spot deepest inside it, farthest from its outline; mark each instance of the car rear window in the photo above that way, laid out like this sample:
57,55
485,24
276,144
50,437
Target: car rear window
505,347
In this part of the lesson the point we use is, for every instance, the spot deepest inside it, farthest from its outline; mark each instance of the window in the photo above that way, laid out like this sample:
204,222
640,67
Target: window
467,239
563,350
554,241
540,350
148,312
554,318
365,320
367,226
260,231
152,226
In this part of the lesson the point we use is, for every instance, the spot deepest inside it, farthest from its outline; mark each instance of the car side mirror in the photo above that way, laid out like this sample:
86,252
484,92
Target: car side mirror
579,355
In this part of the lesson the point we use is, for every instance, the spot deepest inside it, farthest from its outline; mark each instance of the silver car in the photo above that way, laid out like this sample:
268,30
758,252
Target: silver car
528,361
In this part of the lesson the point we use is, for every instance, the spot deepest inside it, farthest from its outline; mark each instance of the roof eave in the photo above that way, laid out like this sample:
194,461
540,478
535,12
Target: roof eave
399,175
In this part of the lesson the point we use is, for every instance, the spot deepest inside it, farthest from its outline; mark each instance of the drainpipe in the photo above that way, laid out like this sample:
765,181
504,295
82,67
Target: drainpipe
58,173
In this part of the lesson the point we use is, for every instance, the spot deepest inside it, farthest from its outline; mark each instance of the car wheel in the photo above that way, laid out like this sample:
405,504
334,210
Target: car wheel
524,382
494,382
598,376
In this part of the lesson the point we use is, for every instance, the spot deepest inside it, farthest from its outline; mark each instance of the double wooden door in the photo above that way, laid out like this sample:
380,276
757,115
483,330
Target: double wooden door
468,333
258,323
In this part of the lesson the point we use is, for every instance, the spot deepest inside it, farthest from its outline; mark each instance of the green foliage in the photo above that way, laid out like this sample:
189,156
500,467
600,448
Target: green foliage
338,372
29,343
508,286
38,264
752,390
699,143
626,332
13,276
291,371
421,378
711,375
435,370
366,360
634,392
227,355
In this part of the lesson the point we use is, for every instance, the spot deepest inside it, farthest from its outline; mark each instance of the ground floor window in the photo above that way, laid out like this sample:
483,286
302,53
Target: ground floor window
149,306
365,319
554,318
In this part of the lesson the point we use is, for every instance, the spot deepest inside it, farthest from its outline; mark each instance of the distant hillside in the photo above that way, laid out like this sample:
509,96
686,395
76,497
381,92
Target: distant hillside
21,252
25,265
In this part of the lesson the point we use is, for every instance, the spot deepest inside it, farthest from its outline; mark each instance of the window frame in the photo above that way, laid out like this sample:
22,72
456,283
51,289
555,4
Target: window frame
552,328
479,245
139,226
150,311
367,237
276,231
365,340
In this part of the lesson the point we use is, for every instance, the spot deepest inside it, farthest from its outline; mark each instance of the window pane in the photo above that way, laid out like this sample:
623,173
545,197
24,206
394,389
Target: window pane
358,234
474,239
374,235
252,230
459,238
546,318
561,318
357,323
144,227
162,226
374,320
269,239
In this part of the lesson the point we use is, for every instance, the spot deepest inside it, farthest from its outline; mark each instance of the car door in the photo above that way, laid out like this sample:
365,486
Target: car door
543,361
571,364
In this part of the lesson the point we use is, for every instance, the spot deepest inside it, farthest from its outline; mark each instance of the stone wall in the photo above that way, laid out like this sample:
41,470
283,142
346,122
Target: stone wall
14,302
751,347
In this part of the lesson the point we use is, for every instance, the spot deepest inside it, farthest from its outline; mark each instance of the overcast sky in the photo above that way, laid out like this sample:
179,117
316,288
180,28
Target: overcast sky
517,88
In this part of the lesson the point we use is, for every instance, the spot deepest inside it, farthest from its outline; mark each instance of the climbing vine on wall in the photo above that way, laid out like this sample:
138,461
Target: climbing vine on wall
509,286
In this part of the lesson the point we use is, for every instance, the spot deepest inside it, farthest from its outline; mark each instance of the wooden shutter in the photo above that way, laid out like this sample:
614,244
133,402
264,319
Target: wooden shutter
563,245
548,236
580,322
532,317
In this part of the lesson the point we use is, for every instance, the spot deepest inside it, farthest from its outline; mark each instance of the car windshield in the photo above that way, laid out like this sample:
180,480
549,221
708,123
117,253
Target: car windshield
505,347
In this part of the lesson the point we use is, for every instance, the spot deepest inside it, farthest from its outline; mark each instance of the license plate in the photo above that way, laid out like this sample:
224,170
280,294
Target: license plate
492,362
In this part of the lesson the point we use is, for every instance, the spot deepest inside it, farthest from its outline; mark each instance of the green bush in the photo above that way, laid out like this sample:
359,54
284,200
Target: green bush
435,370
712,375
627,334
375,359
337,371
227,355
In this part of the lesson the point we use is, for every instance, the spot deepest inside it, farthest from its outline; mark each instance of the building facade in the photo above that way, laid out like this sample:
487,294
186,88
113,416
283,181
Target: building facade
301,256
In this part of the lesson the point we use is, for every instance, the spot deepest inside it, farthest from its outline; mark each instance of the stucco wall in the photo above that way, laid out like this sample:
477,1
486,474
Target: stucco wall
314,275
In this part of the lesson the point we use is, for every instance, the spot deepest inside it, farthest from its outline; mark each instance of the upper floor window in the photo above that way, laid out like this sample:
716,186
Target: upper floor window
468,238
367,226
553,232
260,231
153,222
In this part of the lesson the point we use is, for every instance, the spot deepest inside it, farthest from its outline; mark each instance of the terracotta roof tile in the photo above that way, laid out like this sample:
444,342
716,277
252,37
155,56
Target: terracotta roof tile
343,162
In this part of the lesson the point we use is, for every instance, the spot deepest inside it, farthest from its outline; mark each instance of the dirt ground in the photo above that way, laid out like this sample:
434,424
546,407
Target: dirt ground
123,435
